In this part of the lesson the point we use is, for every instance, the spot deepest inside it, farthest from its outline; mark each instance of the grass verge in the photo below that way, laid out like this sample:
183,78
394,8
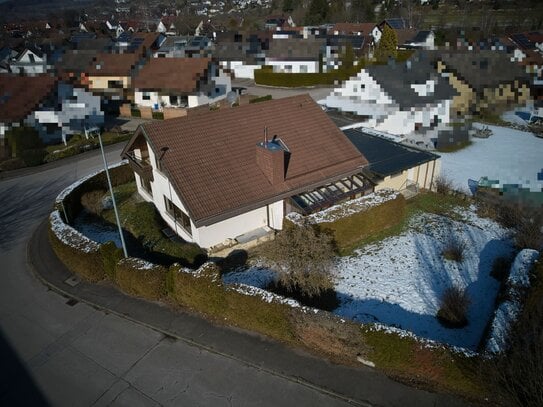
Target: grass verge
411,362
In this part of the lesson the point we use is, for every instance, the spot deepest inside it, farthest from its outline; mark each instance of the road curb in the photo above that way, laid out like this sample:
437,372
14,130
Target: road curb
34,269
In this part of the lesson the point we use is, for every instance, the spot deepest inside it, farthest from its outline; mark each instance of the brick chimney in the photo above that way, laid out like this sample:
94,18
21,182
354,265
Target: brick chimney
272,157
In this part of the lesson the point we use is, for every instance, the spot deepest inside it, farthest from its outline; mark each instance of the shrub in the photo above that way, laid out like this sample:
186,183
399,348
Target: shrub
158,115
443,185
454,250
517,375
303,257
142,279
135,112
261,99
454,307
12,164
92,201
501,267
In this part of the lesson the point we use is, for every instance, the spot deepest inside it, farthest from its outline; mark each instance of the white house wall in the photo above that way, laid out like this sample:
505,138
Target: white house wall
240,69
295,66
231,228
363,96
208,236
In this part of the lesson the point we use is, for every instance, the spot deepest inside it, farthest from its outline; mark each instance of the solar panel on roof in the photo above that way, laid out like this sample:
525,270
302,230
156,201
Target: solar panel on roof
396,23
523,41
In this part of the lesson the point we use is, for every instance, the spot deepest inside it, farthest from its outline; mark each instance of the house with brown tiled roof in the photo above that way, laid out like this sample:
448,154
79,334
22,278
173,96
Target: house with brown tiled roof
19,96
180,82
233,174
110,75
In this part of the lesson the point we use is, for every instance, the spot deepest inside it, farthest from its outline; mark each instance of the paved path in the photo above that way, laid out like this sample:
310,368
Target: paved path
104,348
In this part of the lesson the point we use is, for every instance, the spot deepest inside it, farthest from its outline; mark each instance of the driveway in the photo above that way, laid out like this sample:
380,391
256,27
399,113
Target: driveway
316,93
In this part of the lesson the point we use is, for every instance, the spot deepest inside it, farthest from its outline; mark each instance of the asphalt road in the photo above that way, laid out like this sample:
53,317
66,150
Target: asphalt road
76,355
68,353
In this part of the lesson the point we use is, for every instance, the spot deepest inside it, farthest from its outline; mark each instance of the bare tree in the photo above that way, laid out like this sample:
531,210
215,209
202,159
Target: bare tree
303,257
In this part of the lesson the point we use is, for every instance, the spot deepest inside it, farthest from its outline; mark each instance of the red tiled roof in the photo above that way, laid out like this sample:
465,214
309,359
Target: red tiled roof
113,64
350,28
211,158
180,74
20,95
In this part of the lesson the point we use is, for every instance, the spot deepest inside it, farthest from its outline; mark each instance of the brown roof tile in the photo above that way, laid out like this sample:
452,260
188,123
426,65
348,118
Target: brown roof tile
212,157
20,95
181,74
113,64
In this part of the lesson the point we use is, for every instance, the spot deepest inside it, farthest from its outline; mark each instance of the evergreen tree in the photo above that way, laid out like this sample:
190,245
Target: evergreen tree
388,44
288,6
317,13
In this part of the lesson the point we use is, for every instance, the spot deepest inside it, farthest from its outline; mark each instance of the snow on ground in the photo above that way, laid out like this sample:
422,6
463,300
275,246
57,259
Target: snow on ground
509,156
509,310
399,281
254,276
100,232
520,270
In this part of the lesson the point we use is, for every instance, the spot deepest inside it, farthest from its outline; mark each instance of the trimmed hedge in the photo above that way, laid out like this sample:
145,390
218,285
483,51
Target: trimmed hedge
261,99
141,279
350,230
158,115
90,265
203,291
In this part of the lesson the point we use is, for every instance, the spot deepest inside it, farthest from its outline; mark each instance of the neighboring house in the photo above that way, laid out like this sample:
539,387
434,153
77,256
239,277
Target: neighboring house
143,44
67,112
483,80
30,61
110,75
19,97
423,40
409,99
366,30
180,82
241,53
215,177
184,47
296,55
394,165
6,55
73,65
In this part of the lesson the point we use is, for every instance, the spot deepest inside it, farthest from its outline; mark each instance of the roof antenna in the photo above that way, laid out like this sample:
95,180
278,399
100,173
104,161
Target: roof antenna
265,137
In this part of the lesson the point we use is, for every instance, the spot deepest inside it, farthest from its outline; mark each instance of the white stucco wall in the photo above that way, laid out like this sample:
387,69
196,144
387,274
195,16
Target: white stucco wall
157,98
296,66
240,70
363,96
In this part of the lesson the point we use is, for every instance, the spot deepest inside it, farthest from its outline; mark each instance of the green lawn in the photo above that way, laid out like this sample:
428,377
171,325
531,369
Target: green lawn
142,220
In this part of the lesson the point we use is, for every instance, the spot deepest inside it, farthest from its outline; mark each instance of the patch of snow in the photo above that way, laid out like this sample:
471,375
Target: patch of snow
510,156
139,264
267,296
348,208
505,315
97,231
254,276
513,118
399,281
69,236
520,270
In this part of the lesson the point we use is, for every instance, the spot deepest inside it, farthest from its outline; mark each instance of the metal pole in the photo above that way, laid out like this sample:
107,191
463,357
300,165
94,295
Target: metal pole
112,196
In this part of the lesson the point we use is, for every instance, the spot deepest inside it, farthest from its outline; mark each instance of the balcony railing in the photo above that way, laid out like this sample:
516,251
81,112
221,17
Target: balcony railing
142,167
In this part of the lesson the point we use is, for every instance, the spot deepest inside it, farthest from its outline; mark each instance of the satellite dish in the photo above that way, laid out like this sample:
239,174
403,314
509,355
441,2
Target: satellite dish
232,97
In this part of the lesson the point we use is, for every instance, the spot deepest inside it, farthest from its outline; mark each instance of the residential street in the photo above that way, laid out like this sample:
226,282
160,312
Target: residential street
108,349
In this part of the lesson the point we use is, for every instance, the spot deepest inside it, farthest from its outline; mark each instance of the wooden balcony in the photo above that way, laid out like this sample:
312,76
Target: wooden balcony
142,167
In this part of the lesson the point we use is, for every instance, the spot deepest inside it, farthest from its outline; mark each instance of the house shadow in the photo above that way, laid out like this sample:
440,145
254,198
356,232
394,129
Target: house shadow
18,386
